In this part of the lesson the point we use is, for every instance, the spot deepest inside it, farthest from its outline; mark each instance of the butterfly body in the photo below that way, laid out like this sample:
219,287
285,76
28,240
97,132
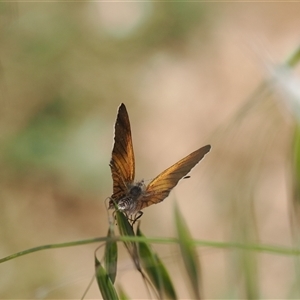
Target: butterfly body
131,197
128,202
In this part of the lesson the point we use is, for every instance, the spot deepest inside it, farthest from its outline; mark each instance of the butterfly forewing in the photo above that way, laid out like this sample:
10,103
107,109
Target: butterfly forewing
122,160
160,187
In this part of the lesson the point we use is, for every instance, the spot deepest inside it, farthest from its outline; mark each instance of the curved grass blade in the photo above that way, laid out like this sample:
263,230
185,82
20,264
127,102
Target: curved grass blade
126,229
188,253
156,270
105,284
111,256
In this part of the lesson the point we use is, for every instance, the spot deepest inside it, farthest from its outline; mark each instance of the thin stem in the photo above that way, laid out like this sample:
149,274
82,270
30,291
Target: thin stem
222,245
53,246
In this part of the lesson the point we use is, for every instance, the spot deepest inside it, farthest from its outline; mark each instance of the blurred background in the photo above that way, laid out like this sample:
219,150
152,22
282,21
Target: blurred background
190,74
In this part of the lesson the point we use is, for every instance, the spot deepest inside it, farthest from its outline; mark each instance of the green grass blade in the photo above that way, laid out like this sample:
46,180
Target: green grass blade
296,184
188,253
156,270
126,229
111,256
105,284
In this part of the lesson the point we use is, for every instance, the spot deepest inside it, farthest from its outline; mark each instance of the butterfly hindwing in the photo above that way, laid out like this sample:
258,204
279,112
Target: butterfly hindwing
122,160
160,187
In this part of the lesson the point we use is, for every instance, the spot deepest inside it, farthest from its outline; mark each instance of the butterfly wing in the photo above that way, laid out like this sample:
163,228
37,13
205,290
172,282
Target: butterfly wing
122,160
160,187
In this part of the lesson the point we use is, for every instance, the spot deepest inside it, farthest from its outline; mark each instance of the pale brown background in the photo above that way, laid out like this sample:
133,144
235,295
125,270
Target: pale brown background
183,70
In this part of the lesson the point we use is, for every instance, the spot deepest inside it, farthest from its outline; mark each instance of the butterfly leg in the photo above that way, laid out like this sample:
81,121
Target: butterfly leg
137,216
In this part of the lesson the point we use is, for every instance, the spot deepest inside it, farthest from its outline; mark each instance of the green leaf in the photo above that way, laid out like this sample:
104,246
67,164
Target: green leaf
126,229
111,256
294,58
188,252
156,270
105,284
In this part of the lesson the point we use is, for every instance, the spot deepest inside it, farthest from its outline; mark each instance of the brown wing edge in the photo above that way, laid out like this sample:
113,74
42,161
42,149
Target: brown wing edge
160,187
122,162
198,154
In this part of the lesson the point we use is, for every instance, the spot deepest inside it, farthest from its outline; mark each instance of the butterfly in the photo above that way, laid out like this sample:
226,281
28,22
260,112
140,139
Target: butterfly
130,196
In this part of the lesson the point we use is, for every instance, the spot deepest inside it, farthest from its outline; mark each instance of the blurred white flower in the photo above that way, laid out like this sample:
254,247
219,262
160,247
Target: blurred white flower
287,83
120,19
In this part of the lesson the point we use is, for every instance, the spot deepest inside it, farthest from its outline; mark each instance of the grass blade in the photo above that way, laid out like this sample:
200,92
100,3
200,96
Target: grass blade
111,256
126,229
105,284
188,252
156,270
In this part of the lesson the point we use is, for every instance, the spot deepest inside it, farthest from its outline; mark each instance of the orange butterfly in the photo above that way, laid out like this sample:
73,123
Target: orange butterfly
131,197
